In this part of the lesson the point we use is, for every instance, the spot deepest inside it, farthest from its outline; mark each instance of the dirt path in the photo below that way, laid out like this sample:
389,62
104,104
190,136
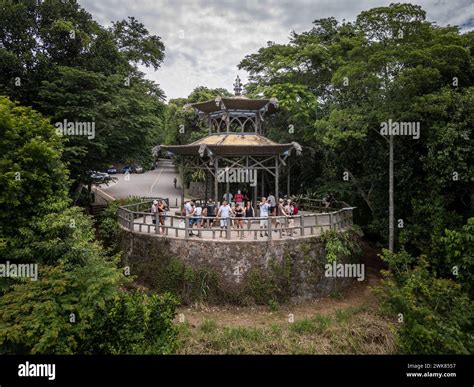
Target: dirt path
359,294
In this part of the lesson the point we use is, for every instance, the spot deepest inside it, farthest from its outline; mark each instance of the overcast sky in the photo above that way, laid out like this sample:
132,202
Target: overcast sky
206,39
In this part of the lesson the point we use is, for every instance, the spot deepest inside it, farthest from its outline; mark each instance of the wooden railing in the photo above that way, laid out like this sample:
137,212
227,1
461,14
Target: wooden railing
317,205
138,217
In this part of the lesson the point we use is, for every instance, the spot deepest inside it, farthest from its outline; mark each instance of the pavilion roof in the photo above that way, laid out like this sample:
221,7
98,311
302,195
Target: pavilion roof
236,103
232,144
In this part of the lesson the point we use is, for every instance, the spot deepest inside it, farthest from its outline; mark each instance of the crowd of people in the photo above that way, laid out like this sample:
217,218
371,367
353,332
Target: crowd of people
235,211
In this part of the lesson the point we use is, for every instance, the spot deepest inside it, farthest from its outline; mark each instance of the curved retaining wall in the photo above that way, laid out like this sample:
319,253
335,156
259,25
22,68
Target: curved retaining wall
230,271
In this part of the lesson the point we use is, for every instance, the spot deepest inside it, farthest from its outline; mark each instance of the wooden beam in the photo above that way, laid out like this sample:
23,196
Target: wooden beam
276,180
216,183
182,186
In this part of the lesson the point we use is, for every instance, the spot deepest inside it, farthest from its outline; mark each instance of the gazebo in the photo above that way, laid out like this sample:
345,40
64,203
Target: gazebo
235,149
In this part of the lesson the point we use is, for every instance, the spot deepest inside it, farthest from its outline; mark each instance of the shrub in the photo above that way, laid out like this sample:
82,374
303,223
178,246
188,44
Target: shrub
437,315
135,323
82,311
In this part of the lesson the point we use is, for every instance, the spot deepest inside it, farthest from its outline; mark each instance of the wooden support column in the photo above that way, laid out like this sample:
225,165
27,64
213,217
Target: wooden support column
227,186
207,184
277,196
216,182
255,192
288,180
182,186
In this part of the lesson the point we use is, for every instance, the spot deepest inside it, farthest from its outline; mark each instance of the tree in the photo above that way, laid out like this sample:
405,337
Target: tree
70,68
72,306
33,179
384,66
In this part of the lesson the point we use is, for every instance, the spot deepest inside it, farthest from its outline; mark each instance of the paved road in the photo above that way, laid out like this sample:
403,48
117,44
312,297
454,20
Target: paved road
158,182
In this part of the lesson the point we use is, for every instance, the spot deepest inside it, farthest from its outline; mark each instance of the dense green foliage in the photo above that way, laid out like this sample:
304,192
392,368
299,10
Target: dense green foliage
337,84
33,179
79,299
435,316
56,58
339,81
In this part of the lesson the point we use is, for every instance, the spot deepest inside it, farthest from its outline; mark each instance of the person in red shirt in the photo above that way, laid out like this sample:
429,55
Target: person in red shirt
239,198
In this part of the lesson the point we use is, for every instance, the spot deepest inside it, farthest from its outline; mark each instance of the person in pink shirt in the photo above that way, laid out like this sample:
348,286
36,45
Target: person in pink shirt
239,198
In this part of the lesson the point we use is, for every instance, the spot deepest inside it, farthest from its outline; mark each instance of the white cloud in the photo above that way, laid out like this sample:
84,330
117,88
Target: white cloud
219,33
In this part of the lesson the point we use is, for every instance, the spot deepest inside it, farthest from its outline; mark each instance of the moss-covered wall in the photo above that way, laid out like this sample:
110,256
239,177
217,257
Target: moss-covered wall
230,271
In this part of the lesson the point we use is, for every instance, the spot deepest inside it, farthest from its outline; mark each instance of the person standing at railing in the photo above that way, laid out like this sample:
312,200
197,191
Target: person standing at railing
273,207
264,211
224,213
161,215
296,208
239,198
154,211
228,197
210,212
188,212
281,212
239,214
329,200
290,210
196,217
249,213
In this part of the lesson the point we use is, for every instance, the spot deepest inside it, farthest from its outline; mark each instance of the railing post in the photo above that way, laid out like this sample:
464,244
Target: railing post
330,221
186,227
269,228
302,224
228,228
157,222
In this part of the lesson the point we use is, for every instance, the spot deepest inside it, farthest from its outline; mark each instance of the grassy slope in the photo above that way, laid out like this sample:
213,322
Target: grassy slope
349,325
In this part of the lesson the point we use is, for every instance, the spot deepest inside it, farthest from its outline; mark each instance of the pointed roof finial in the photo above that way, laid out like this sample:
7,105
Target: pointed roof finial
237,86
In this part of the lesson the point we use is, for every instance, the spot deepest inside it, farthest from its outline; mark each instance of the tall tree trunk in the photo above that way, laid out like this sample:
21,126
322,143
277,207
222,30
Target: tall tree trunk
391,206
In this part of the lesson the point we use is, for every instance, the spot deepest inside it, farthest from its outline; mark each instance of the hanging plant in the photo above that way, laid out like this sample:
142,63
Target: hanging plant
198,175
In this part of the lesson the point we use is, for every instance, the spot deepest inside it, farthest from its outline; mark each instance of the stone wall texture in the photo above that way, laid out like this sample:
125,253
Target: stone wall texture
294,266
197,189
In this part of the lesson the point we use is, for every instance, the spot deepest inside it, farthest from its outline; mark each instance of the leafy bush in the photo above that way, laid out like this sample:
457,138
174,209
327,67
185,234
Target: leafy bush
82,311
458,250
342,244
135,323
108,227
53,314
33,179
437,315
